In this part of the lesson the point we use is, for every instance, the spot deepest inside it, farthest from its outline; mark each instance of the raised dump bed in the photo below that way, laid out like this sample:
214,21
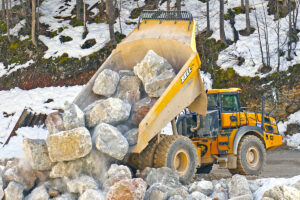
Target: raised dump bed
172,36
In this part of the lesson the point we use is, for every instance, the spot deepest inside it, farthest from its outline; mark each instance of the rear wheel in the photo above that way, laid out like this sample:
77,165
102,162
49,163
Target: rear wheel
179,154
251,156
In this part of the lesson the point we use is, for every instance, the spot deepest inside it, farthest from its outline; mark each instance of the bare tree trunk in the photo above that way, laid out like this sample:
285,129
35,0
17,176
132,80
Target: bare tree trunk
289,32
84,16
207,16
168,4
278,37
3,10
110,13
33,23
120,8
266,33
7,21
222,32
78,9
248,28
259,38
38,17
242,5
178,5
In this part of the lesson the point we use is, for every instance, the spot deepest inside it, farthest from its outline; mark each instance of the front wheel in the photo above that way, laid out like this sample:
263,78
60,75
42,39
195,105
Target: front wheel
179,154
251,156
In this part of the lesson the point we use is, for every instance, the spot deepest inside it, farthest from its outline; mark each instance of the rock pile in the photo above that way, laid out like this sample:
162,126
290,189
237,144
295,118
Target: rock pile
76,160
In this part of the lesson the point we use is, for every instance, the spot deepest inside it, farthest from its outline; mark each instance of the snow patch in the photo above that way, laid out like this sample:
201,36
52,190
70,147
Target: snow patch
293,141
292,119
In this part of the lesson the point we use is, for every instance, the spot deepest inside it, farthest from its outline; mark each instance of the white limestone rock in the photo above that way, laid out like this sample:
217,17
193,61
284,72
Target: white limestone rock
110,141
111,111
106,83
73,117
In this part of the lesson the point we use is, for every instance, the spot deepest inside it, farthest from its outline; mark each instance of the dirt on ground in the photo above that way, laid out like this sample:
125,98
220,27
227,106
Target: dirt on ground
283,162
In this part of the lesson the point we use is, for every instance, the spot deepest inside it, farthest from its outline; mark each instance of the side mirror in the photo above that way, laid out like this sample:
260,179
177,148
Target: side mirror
275,95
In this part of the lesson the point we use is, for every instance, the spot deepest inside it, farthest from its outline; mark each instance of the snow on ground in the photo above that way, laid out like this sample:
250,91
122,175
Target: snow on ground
12,103
13,67
208,82
293,141
268,183
14,148
15,31
13,3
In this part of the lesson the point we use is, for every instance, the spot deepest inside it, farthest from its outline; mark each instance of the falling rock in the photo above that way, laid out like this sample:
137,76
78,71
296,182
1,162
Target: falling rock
128,189
238,186
165,176
69,145
155,72
73,117
197,196
111,111
282,192
39,193
110,141
21,172
37,154
106,83
14,191
205,187
115,174
220,192
90,194
129,89
141,108
132,136
82,183
54,123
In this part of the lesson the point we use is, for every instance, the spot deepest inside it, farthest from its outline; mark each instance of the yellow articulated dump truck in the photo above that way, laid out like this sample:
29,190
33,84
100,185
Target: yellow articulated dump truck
213,131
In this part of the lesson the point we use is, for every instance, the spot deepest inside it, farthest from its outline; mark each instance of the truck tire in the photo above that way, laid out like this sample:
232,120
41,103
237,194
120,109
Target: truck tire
251,156
205,169
146,158
178,153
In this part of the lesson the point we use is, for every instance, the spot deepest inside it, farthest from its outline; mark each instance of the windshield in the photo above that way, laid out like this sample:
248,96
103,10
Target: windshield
230,103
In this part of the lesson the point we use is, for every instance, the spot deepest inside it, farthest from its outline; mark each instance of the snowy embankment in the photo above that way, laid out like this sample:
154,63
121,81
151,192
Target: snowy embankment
40,100
294,140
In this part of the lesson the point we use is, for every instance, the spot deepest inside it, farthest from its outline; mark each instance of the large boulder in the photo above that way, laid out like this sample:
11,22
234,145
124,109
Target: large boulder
54,123
155,72
73,117
205,187
110,141
37,154
111,111
39,193
115,174
128,189
21,172
56,184
68,169
220,190
282,192
165,176
238,186
66,196
129,89
132,136
90,194
81,184
140,109
243,197
106,83
69,145
14,191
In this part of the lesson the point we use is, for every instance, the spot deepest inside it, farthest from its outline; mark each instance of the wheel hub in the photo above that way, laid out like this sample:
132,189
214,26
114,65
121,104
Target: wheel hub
181,162
252,157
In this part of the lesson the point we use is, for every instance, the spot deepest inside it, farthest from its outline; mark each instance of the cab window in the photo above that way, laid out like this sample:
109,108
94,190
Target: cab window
212,101
230,103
